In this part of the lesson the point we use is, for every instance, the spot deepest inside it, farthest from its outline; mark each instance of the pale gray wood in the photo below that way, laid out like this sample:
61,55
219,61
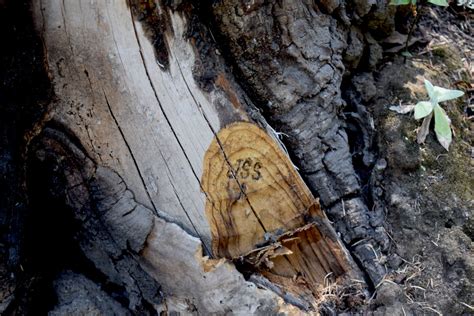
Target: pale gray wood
151,125
213,286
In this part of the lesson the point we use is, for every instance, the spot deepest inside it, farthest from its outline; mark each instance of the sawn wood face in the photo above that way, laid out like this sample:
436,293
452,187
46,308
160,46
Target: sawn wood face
260,209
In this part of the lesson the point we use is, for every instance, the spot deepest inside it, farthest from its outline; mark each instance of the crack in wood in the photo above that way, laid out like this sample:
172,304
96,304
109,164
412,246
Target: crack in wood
169,124
222,150
130,151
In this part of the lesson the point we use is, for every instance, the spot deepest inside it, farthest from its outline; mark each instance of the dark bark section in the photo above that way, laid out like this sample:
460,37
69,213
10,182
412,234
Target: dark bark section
156,23
78,295
290,58
24,93
107,227
293,65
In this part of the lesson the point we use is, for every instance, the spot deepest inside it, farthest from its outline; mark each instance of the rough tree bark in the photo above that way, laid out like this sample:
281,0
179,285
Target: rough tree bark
293,64
180,194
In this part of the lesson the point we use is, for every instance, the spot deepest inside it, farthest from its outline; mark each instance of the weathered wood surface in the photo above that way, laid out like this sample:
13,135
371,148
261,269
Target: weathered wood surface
130,115
149,123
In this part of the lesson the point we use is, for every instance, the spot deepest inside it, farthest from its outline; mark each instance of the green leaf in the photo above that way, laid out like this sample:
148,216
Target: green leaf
442,127
399,2
442,3
406,54
429,87
443,94
423,109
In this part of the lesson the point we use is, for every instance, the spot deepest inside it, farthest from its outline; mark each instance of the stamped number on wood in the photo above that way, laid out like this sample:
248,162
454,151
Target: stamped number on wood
247,168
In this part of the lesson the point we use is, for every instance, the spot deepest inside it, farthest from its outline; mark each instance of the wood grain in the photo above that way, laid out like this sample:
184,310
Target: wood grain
260,210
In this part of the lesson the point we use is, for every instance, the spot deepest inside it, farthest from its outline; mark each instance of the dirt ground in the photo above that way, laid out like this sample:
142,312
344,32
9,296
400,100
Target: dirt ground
427,192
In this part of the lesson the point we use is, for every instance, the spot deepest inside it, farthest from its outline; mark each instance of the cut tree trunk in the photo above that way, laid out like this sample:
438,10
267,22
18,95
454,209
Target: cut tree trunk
172,175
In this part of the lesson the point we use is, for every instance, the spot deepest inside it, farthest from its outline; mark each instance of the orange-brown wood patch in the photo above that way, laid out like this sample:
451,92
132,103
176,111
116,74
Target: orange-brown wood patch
260,210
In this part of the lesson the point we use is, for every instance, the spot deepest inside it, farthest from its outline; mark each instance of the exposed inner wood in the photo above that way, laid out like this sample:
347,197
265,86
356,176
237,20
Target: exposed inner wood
259,208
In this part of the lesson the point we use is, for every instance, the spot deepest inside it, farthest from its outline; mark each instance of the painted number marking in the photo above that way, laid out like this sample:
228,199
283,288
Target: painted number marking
245,168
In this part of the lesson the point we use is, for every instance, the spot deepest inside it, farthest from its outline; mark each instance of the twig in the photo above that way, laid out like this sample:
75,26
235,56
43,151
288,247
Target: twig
432,309
412,27
467,305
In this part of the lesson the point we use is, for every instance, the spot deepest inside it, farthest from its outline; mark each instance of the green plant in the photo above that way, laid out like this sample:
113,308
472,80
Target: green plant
426,109
442,3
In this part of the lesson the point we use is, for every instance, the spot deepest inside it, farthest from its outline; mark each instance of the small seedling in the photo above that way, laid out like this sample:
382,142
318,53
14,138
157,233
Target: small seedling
442,3
426,109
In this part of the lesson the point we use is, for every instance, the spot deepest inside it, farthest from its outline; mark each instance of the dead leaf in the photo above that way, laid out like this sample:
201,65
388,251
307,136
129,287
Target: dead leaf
402,109
424,129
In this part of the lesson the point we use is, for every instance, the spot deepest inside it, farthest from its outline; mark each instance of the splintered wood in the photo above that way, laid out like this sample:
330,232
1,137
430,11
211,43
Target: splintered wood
260,211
